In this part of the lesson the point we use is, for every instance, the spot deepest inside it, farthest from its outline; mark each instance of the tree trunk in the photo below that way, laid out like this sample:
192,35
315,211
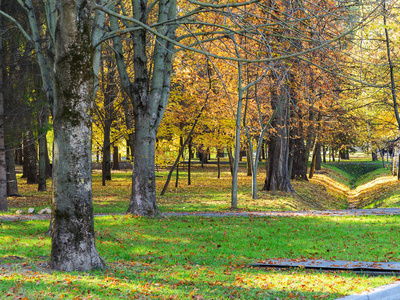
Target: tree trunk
12,184
73,237
314,158
129,122
299,153
44,119
3,167
30,159
219,167
42,164
106,162
230,156
49,169
318,158
143,198
190,161
116,158
249,163
149,93
19,156
324,154
277,177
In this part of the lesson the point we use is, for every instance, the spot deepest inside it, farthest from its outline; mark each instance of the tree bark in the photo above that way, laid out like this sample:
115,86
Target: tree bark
3,168
30,159
300,158
278,149
115,158
249,163
149,93
73,238
43,119
12,184
143,197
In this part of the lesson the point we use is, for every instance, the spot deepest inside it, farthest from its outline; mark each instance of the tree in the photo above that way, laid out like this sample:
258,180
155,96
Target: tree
73,240
149,97
3,168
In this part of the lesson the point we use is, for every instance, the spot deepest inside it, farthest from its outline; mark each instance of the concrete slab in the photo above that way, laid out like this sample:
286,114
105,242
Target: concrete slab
356,266
385,292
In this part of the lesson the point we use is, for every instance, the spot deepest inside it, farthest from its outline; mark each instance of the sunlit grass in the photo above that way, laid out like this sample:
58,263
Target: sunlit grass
178,258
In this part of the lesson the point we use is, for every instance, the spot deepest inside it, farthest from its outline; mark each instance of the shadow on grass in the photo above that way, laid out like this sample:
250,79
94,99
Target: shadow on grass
207,258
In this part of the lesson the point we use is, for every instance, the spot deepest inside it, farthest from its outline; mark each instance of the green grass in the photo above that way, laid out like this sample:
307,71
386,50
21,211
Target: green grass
354,174
201,258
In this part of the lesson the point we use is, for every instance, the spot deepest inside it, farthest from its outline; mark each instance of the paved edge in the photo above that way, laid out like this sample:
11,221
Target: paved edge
385,292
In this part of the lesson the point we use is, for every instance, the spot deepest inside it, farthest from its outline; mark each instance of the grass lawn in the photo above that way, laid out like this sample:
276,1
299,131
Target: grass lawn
203,258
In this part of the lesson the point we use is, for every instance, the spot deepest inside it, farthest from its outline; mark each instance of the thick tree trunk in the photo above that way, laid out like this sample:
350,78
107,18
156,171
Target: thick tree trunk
115,158
278,150
73,241
143,198
30,159
12,184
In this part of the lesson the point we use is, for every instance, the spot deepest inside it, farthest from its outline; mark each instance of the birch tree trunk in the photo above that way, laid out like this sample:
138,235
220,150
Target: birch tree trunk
73,241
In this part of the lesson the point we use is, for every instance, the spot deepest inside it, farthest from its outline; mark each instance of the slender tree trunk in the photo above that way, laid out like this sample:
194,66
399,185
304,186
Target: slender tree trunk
190,161
219,166
106,162
44,119
12,184
300,158
230,157
318,158
129,122
177,176
73,237
19,156
314,159
3,167
249,163
30,159
49,169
